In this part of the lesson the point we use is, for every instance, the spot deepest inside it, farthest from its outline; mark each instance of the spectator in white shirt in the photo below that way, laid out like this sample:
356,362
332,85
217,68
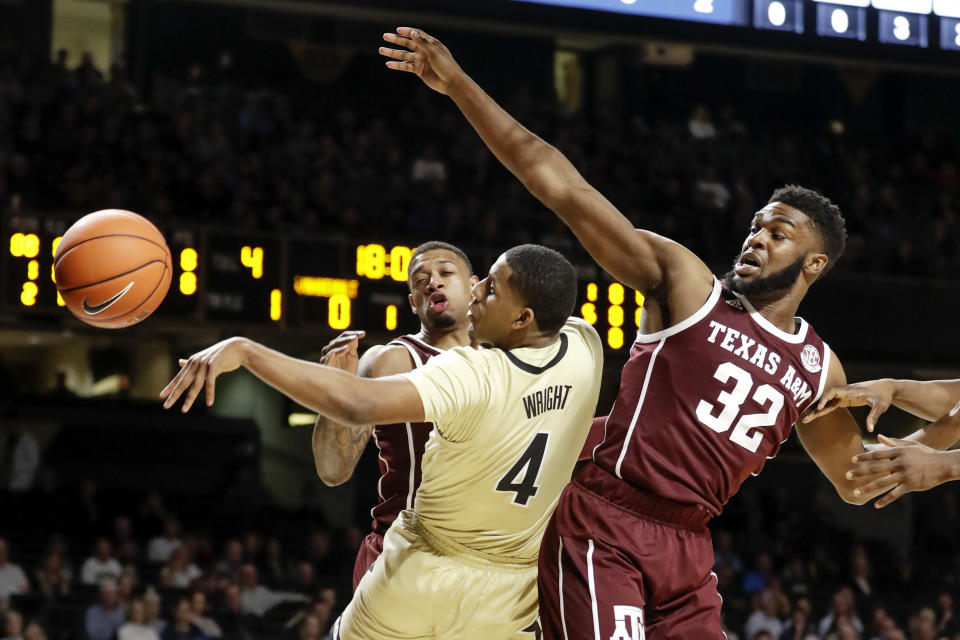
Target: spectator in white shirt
100,565
163,546
12,578
764,616
179,571
256,598
136,627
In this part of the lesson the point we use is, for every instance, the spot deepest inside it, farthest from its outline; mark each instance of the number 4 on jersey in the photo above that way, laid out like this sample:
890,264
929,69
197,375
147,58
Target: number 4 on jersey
527,467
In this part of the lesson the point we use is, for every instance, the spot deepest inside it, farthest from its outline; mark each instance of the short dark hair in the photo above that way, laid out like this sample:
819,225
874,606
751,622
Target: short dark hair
435,245
546,281
824,214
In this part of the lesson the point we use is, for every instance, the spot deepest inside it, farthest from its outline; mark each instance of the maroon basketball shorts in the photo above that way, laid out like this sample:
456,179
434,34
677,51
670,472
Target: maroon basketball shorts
606,572
370,550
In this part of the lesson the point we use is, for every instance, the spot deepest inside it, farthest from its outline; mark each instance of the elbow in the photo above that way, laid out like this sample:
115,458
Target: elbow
333,477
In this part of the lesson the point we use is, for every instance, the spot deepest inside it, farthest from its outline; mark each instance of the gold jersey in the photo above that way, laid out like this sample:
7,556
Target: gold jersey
509,426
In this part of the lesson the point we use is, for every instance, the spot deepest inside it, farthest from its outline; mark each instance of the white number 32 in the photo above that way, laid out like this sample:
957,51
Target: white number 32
731,401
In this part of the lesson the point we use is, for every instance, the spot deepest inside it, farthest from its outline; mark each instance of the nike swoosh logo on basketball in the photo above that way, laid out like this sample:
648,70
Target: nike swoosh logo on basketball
92,310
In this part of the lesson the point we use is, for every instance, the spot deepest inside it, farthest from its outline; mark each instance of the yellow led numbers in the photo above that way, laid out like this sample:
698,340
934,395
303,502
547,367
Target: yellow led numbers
375,262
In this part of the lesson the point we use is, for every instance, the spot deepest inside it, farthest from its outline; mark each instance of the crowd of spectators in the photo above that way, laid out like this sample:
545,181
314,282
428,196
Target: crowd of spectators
144,576
338,160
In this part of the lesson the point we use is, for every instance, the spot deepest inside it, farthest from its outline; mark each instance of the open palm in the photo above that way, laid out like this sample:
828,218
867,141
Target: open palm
423,55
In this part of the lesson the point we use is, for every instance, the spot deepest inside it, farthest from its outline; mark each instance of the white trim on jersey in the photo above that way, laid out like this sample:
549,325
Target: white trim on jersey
412,466
636,413
593,591
563,614
386,463
417,361
769,327
824,372
423,344
699,314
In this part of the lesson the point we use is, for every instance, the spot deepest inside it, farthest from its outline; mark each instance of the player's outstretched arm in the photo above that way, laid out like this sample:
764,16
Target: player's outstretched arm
640,259
930,400
902,466
337,447
341,396
832,441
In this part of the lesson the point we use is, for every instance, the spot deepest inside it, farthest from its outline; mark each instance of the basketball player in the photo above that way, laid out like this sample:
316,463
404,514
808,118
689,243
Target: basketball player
902,465
719,372
509,423
439,277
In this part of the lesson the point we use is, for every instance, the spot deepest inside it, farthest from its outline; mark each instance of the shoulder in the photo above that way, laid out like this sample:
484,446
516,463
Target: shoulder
385,360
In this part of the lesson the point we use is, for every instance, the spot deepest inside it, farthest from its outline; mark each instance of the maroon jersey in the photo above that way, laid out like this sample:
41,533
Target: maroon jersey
703,404
401,449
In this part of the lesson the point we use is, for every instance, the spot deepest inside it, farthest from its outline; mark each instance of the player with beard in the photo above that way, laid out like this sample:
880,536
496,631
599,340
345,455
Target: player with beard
440,278
720,371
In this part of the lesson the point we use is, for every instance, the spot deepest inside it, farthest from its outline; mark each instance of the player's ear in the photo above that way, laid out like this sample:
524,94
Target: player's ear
473,281
816,264
413,307
524,319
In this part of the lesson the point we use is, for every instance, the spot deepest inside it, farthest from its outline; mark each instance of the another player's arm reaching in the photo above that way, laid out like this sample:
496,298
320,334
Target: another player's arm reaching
917,462
337,447
832,440
930,400
662,270
341,396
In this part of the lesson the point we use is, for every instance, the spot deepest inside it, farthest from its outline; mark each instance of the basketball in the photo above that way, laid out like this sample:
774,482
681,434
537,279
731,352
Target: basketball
112,268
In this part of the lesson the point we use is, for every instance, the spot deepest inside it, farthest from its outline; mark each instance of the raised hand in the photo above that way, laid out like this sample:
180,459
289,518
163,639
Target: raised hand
877,394
423,55
201,369
341,352
899,467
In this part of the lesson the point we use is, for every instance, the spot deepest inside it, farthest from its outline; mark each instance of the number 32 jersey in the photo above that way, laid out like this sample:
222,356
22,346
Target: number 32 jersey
703,404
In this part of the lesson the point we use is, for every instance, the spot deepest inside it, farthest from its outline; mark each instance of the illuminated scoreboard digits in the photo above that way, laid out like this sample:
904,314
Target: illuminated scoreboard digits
778,15
244,279
842,18
29,283
614,310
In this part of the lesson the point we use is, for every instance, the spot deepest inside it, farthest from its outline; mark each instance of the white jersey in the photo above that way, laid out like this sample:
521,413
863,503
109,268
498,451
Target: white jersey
509,429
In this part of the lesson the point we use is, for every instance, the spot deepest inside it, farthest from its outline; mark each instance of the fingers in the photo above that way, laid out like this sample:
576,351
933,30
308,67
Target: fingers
866,457
211,383
872,467
343,339
876,410
896,442
820,411
179,384
418,34
199,378
401,66
882,483
396,54
827,397
896,494
402,40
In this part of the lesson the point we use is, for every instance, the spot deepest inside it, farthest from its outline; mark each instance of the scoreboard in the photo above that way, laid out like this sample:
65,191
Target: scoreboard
230,277
917,23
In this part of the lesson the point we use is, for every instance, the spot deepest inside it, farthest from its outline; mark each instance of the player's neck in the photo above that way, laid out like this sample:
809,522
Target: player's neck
445,339
529,340
779,309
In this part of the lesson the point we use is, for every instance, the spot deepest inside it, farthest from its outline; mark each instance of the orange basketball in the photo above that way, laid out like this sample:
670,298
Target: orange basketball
112,268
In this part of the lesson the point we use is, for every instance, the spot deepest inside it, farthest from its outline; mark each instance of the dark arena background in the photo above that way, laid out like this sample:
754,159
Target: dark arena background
292,175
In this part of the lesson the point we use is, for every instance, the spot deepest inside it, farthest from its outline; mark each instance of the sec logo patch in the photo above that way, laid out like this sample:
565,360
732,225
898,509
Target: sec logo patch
810,359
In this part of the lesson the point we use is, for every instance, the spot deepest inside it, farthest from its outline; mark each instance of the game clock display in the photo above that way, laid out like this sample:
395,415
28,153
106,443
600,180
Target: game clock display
228,277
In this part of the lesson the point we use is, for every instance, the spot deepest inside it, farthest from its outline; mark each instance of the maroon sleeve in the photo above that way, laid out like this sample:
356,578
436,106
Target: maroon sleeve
594,438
